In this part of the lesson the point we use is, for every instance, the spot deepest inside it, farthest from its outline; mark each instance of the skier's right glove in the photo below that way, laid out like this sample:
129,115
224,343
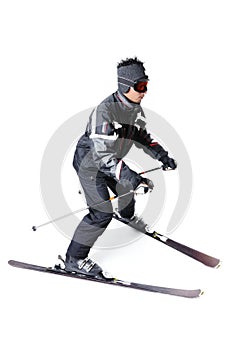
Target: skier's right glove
168,163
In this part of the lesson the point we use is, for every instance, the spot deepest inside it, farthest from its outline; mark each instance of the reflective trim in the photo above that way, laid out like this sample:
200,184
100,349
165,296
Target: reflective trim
93,134
118,169
117,125
104,137
104,127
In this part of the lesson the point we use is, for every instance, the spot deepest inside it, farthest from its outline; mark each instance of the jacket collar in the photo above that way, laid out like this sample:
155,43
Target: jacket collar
126,102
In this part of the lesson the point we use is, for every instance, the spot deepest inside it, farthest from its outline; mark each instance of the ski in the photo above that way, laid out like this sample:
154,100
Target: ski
57,270
192,253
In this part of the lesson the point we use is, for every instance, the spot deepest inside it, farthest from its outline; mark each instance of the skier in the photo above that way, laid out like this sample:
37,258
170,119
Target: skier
114,126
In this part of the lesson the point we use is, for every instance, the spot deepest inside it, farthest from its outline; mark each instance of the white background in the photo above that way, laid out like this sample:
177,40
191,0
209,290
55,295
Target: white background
59,58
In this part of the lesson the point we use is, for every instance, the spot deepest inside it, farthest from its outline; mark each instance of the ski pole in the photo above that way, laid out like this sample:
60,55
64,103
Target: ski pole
34,228
148,171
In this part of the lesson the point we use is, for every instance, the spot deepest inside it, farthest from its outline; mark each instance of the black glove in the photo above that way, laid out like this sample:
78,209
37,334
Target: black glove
168,163
149,184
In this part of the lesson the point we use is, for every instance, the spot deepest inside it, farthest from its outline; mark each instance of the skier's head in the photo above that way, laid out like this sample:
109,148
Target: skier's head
131,76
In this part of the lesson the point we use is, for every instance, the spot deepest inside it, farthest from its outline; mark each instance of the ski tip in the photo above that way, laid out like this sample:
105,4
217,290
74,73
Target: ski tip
201,293
196,293
218,264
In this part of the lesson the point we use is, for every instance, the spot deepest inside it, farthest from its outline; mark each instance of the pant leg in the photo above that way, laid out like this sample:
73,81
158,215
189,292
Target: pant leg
126,204
95,222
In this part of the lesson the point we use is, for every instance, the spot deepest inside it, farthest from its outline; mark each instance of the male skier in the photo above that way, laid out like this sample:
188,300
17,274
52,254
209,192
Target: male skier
114,126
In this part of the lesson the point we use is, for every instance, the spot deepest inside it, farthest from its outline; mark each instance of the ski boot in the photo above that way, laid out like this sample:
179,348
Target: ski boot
135,222
138,223
86,267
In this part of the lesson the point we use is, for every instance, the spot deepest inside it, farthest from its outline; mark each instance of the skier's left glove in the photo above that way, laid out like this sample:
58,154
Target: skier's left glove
147,183
168,163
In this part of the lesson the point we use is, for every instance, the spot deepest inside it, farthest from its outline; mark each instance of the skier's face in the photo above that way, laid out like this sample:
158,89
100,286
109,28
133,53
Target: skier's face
135,96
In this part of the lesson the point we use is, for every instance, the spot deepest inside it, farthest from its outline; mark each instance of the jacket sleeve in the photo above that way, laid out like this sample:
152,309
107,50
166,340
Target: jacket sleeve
104,136
142,139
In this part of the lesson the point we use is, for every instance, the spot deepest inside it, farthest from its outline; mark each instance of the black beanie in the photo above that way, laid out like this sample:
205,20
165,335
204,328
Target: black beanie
129,73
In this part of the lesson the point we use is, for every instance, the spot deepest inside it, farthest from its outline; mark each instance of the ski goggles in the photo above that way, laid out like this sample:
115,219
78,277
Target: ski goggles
139,85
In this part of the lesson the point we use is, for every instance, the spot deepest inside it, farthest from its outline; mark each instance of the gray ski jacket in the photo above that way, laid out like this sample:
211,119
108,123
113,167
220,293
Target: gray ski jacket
114,126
